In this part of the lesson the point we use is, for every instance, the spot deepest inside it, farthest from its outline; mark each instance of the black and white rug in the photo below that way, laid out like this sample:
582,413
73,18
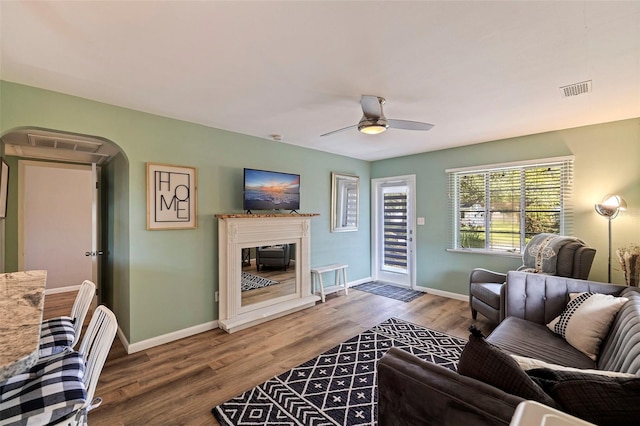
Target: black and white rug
388,290
250,281
339,387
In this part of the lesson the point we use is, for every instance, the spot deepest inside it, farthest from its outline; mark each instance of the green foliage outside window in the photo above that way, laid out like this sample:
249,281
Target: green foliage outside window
519,203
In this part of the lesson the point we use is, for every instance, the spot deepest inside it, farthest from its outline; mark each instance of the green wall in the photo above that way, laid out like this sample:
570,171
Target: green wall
115,233
606,161
166,280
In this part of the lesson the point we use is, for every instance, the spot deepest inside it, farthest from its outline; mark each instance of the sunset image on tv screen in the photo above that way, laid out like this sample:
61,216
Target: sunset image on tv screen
265,190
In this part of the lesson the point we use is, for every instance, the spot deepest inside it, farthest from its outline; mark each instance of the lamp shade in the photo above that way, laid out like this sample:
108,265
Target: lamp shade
611,205
614,201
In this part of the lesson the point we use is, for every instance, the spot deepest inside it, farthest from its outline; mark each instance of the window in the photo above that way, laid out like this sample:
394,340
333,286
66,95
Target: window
499,208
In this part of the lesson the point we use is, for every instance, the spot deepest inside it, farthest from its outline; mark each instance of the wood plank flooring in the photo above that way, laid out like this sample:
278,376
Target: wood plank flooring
178,383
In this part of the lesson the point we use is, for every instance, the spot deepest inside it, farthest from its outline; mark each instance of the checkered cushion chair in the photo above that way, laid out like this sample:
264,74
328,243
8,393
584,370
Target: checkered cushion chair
52,390
55,335
59,390
58,333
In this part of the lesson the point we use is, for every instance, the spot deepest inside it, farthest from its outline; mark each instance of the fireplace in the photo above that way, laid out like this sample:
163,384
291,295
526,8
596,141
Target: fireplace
238,234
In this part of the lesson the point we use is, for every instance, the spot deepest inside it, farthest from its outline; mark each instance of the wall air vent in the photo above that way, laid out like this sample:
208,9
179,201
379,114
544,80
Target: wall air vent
575,89
55,154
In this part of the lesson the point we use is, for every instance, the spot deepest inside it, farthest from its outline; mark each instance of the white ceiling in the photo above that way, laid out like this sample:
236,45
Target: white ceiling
478,70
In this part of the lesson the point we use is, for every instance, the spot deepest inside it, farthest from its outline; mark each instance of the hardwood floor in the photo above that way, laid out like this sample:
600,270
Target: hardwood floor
178,383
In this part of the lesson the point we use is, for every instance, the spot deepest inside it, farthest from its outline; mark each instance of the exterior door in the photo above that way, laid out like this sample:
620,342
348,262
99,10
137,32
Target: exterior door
58,222
394,224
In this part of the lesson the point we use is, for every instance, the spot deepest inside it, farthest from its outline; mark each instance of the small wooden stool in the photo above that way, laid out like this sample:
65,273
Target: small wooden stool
316,276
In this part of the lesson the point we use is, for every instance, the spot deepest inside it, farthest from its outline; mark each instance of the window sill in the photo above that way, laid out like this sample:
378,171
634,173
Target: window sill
487,253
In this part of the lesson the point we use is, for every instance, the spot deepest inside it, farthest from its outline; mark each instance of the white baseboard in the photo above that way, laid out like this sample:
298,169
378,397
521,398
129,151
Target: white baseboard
61,289
165,338
448,294
211,325
334,288
123,339
196,329
360,281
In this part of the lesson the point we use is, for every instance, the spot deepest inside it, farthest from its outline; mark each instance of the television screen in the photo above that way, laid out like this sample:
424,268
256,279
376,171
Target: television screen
265,190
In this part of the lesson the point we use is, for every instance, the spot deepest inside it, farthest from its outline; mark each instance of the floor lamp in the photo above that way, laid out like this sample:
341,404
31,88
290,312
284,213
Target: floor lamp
610,206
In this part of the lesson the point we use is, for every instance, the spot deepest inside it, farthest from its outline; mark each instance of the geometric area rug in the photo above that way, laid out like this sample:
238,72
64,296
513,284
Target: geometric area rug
338,387
388,290
249,281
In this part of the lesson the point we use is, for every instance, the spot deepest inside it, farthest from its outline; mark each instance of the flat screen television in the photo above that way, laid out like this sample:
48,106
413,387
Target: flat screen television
266,190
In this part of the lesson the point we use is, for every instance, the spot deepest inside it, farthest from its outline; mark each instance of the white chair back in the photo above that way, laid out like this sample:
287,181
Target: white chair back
95,347
81,307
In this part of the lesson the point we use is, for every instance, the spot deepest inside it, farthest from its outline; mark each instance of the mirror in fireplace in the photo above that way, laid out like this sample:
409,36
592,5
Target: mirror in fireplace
268,272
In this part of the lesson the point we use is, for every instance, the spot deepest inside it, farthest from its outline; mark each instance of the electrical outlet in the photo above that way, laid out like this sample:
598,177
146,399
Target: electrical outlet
217,296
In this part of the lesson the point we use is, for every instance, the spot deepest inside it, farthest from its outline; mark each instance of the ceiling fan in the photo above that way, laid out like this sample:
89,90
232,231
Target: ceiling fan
373,120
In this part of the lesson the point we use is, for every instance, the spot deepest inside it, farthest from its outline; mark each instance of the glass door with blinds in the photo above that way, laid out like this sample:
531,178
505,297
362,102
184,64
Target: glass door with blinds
393,226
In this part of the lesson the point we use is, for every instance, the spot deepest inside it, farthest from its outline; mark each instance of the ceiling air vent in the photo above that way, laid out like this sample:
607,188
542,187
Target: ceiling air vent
575,89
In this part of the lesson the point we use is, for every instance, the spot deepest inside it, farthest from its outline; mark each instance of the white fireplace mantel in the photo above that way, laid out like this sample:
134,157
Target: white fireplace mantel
238,231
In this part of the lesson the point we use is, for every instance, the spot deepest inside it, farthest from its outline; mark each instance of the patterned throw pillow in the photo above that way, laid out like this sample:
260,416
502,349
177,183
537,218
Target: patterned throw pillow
586,320
485,362
605,401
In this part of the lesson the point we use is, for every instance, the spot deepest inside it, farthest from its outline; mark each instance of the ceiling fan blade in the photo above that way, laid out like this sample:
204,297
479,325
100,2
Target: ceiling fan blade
339,130
371,106
408,125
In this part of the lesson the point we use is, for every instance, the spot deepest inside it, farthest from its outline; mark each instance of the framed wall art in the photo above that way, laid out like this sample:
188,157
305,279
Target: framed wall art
171,197
4,187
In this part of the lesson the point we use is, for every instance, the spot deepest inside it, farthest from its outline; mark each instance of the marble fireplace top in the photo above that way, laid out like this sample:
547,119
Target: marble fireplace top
263,215
21,305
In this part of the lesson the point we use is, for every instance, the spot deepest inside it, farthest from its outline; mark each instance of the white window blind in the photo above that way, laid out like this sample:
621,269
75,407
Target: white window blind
500,207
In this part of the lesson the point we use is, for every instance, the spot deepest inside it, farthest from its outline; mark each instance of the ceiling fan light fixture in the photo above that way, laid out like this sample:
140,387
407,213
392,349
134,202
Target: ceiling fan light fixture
374,122
372,126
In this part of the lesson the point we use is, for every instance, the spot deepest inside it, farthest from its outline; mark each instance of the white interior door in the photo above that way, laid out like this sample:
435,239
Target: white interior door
393,227
58,222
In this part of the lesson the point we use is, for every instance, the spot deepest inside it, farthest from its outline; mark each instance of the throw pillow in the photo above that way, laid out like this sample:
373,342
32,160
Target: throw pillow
532,363
598,399
586,320
486,362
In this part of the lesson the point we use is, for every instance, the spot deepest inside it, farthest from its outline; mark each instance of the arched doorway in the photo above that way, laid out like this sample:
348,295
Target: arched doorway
64,157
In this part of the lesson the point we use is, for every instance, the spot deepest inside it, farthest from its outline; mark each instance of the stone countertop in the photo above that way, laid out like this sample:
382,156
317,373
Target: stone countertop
21,306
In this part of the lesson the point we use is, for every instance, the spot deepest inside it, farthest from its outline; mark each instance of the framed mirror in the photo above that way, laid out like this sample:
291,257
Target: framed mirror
344,202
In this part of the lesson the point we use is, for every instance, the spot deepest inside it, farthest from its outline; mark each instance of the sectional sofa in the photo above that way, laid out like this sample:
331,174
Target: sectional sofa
412,391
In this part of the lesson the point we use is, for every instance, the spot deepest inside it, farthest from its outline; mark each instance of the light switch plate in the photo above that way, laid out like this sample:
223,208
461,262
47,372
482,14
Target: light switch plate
421,221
